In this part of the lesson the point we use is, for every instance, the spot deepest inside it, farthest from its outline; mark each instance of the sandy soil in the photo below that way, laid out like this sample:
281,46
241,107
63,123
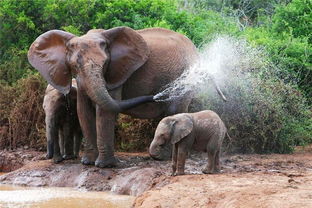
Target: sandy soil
262,181
246,180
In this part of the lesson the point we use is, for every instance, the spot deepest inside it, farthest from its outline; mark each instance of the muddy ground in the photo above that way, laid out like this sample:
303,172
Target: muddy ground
246,180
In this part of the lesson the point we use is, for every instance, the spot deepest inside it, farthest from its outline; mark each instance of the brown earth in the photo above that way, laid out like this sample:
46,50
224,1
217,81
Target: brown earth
246,180
262,181
133,175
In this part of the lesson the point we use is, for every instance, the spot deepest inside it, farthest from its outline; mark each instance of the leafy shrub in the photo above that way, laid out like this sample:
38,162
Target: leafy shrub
22,116
22,119
29,19
294,18
134,134
258,118
264,113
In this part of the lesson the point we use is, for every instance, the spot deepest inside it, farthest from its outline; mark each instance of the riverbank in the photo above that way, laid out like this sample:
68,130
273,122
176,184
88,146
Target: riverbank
246,180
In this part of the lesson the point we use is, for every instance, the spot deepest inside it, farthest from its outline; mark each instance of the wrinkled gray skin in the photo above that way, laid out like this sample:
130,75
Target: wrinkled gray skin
116,70
203,131
63,131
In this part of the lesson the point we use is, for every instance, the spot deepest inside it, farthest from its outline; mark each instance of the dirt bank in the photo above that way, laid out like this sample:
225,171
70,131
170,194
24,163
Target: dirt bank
264,181
13,160
134,175
246,180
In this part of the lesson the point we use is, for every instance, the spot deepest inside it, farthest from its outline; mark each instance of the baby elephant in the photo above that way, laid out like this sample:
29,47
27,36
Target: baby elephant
62,126
203,131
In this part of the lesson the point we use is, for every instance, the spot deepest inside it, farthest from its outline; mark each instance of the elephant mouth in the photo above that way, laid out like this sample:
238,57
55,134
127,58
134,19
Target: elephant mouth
162,154
156,157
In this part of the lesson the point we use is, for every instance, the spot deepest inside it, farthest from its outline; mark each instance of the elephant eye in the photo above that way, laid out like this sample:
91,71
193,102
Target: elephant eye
103,45
162,145
70,45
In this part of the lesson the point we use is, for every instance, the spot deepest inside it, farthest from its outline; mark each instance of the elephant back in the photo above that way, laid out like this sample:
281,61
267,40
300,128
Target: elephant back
171,53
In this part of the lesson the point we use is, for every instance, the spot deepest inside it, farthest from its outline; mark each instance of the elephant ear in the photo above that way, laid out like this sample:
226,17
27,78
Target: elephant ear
182,127
48,55
128,51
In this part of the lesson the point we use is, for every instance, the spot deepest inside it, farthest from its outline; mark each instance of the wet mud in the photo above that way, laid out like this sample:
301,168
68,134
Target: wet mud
51,197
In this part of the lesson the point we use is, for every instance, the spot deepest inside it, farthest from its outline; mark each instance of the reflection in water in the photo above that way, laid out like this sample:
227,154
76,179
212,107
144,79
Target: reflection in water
26,197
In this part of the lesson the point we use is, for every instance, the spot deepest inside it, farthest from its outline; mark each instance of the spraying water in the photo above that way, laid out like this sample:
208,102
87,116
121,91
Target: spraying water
223,57
263,105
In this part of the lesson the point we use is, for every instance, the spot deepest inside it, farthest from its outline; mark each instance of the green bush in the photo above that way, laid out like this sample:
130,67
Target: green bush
266,114
29,19
294,19
22,116
263,118
288,41
134,134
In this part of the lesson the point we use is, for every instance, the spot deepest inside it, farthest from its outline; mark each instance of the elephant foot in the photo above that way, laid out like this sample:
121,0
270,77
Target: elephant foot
86,161
69,157
107,163
180,173
57,159
49,156
206,171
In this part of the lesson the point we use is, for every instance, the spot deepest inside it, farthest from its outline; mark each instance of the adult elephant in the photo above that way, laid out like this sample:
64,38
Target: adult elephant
110,66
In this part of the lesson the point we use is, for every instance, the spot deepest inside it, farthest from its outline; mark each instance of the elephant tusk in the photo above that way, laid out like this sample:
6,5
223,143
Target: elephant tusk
218,88
221,94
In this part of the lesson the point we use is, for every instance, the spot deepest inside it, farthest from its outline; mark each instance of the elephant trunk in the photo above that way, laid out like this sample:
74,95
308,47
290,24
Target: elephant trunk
96,89
160,153
152,150
155,155
130,103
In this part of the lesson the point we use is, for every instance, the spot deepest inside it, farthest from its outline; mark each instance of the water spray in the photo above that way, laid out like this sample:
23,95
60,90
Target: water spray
221,60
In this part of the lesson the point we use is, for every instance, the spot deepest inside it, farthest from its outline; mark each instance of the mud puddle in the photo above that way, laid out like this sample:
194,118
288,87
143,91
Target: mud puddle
26,197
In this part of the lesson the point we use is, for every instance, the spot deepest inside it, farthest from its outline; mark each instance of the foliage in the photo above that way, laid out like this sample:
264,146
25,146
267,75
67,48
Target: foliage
22,116
14,68
248,12
263,113
294,19
134,134
288,40
273,118
29,19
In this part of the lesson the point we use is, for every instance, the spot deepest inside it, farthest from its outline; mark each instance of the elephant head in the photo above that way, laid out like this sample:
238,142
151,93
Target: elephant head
169,131
101,60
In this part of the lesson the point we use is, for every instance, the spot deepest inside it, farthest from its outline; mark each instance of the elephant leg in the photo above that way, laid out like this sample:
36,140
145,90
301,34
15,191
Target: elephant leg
51,134
209,169
86,115
57,157
61,137
213,148
105,127
182,153
68,139
77,141
174,158
217,162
